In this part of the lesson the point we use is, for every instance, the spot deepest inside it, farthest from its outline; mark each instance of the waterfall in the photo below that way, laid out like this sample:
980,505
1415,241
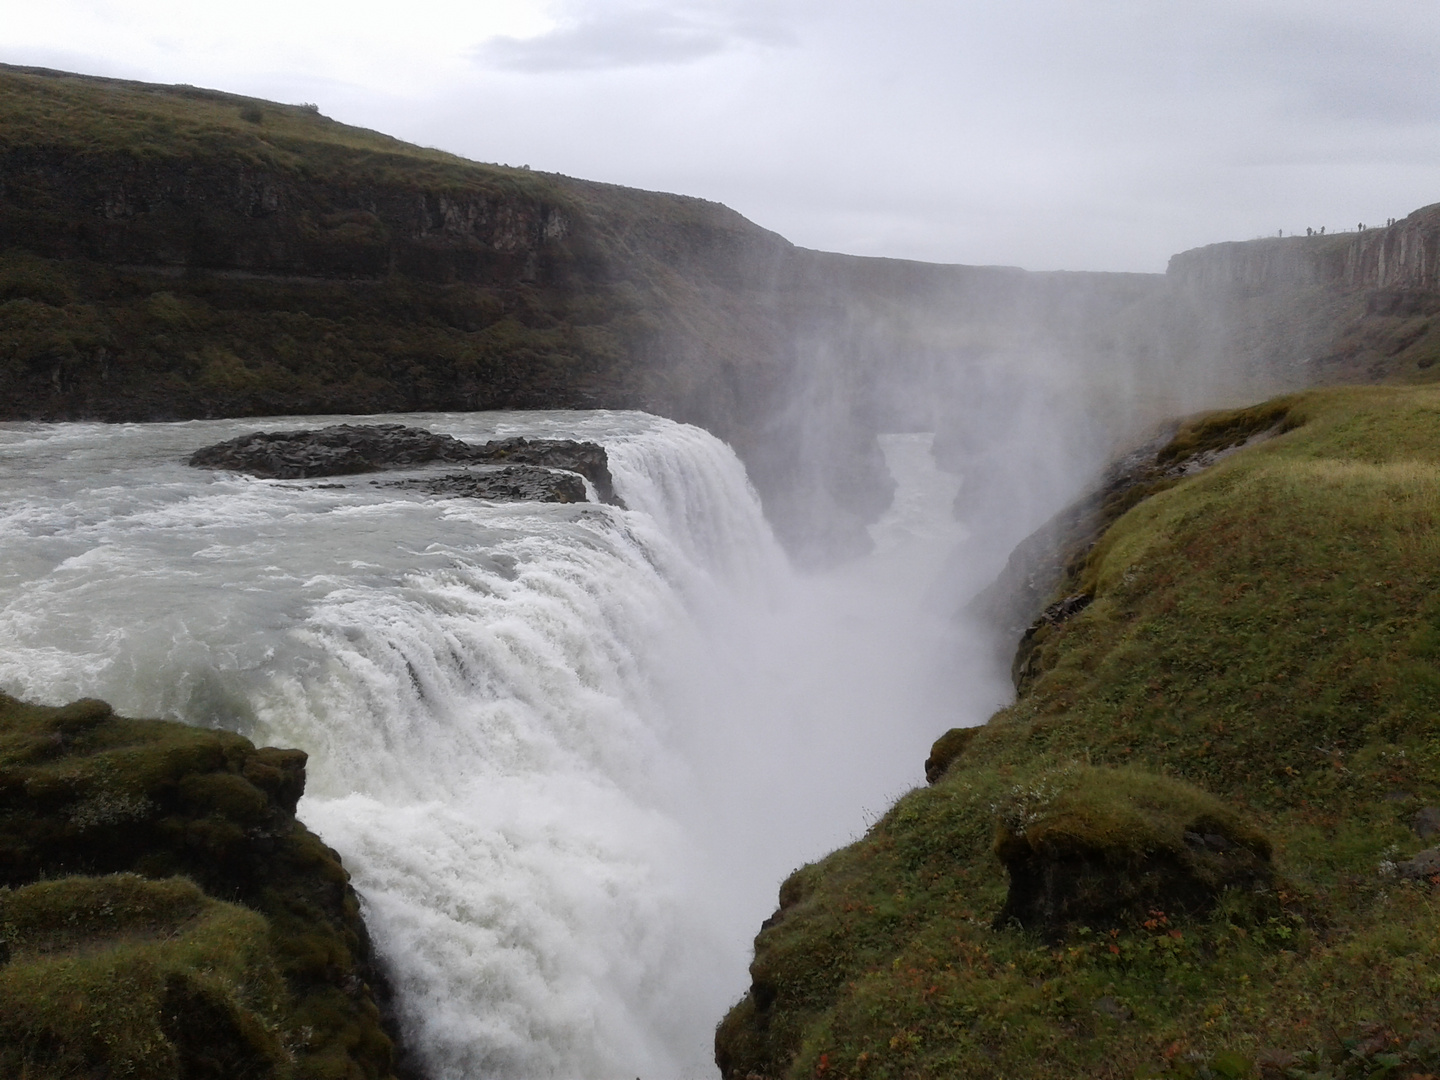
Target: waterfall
566,751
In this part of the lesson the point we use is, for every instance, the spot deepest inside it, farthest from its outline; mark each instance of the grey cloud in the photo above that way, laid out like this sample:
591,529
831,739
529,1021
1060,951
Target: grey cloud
1348,67
636,36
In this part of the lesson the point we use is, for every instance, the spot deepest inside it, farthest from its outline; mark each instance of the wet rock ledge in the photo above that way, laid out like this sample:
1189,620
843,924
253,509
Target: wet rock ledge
163,914
346,449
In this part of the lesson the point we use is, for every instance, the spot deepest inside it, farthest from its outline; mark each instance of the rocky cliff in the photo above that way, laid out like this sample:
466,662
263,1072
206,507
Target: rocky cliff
1405,255
1345,307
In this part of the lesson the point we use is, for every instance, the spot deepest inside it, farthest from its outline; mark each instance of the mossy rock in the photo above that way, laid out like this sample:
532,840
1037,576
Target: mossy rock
124,976
1106,847
945,750
120,841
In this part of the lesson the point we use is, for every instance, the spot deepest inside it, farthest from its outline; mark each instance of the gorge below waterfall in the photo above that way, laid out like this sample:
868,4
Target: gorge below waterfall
566,751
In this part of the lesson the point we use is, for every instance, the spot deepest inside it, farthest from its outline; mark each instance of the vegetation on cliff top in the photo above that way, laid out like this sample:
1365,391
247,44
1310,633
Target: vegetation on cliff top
162,913
1262,644
99,116
372,275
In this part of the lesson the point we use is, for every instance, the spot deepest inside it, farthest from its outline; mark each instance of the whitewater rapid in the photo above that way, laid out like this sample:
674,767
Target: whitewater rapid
566,751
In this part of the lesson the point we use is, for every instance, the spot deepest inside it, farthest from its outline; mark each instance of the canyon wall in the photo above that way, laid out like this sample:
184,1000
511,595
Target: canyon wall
1347,307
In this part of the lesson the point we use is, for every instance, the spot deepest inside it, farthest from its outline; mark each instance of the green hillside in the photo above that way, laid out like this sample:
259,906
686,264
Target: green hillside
1186,849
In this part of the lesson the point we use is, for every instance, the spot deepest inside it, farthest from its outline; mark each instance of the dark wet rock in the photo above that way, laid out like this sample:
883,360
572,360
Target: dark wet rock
1208,841
1423,867
1275,1064
511,483
1026,663
346,449
338,450
945,750
586,458
1426,822
1109,1006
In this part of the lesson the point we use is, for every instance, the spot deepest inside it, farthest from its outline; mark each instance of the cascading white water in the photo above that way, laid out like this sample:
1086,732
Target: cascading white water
566,751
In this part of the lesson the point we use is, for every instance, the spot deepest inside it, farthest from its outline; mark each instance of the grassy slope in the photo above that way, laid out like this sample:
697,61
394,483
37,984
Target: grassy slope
102,964
97,115
162,913
1266,631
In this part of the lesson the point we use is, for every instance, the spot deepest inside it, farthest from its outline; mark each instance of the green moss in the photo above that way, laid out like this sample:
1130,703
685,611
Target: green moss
88,801
1257,663
945,750
1222,430
1125,810
128,977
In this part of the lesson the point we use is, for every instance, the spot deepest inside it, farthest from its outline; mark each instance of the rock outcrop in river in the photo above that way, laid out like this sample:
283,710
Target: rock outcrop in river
545,470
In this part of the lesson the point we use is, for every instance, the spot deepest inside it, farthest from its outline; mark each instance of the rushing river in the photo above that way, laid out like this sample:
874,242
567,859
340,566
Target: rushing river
566,751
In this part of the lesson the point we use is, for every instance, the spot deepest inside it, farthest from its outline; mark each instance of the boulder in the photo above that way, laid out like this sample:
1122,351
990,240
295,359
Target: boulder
586,458
1426,822
945,750
1104,847
338,450
1425,866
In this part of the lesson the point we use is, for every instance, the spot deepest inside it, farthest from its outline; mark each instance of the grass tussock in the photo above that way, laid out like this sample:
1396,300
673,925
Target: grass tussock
1258,665
120,973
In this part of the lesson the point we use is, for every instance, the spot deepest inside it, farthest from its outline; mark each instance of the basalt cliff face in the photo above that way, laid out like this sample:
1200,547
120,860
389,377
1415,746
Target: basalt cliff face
1348,307
1405,255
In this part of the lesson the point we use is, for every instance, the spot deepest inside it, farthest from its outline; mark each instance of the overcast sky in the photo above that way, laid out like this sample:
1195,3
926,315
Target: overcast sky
1050,134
